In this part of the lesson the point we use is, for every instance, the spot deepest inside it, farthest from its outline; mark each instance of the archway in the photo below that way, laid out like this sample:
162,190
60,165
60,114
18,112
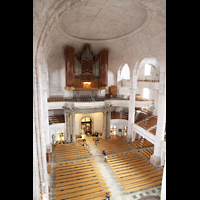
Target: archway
148,72
87,125
123,79
60,136
123,73
146,59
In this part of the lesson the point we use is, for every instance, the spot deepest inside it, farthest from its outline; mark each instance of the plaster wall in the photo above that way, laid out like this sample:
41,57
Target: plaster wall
163,152
120,124
123,90
56,112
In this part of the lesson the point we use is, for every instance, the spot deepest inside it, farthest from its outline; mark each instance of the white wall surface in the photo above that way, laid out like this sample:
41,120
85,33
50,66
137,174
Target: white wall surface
120,124
53,129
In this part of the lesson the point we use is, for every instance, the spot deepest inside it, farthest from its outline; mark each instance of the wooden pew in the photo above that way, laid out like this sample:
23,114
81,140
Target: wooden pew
71,151
143,185
78,189
133,171
76,194
82,183
79,179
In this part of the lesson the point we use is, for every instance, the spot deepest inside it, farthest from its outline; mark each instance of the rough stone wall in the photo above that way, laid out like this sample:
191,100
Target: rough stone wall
43,18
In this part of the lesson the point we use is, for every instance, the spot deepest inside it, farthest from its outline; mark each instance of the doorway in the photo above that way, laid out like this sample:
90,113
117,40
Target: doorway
125,131
60,136
86,125
113,130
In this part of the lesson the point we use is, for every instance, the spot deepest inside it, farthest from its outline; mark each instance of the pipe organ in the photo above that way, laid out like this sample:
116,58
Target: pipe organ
85,71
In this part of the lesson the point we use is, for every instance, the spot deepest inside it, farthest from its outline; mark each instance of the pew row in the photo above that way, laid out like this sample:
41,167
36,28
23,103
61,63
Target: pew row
80,180
133,171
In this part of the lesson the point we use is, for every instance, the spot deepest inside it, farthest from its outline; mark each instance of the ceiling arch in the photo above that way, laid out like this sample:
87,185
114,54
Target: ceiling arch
132,34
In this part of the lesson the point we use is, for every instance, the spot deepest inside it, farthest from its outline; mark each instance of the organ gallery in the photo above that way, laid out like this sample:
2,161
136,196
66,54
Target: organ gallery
85,71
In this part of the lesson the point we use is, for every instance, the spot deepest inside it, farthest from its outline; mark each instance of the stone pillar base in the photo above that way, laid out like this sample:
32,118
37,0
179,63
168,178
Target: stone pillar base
128,138
68,140
155,160
73,139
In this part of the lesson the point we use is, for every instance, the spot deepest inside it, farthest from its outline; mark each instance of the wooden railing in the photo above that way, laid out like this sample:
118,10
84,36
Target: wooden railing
56,119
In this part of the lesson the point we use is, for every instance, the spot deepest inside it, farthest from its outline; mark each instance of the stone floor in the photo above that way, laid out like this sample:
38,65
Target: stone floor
113,184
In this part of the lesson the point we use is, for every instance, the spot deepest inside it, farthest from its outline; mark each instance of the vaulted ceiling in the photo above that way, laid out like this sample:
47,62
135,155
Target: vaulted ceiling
127,28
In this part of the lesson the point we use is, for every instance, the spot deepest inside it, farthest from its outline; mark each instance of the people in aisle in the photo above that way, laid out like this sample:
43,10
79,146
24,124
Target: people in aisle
105,156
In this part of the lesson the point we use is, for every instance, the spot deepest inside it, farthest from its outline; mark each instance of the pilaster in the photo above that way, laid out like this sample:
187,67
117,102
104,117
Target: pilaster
73,128
104,125
67,127
70,127
155,159
38,120
108,123
163,189
133,136
36,181
131,115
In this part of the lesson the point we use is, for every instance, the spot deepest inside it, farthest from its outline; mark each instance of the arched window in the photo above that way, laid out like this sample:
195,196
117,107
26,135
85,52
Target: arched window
123,80
147,70
125,74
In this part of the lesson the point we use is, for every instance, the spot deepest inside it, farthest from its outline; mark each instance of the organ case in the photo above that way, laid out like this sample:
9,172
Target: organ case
69,68
84,71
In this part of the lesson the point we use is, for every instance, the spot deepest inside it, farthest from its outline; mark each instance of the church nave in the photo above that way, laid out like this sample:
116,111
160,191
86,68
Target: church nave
97,176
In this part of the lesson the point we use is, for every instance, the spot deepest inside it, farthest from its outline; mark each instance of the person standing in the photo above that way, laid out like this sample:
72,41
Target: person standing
105,156
108,194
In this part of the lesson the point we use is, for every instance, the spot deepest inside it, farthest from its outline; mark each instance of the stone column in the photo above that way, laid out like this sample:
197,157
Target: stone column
67,127
131,115
70,127
163,189
133,136
108,123
120,114
36,180
156,157
38,130
73,128
156,103
104,125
